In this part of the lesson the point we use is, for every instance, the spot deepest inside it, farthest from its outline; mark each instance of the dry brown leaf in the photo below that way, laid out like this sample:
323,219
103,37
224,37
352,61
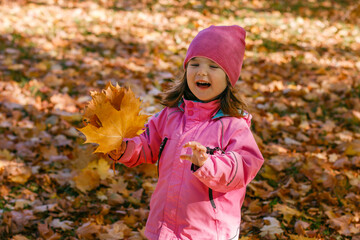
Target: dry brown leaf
116,231
47,233
87,230
87,180
261,189
254,206
119,187
288,212
4,191
300,227
115,199
112,115
18,220
341,223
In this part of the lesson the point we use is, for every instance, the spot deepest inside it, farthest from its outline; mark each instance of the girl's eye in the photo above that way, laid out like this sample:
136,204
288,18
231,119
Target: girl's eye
213,66
194,64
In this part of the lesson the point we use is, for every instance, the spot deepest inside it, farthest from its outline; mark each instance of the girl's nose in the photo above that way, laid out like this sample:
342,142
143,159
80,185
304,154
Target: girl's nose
202,71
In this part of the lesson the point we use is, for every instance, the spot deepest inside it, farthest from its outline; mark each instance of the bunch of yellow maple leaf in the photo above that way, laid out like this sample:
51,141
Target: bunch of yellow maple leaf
112,115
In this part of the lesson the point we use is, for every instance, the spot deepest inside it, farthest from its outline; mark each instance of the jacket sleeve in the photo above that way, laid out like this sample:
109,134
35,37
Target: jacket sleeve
234,168
145,147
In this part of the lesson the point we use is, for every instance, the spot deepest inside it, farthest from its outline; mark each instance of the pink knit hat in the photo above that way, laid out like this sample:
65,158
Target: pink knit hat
225,45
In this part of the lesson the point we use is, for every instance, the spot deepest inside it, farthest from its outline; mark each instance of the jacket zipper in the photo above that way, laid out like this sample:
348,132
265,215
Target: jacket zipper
162,146
211,151
211,197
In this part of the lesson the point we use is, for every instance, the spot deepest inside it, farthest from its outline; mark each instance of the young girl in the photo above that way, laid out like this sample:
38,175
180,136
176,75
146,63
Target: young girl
202,141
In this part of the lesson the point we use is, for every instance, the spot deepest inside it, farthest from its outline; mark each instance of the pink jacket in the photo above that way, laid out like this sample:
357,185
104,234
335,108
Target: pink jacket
190,202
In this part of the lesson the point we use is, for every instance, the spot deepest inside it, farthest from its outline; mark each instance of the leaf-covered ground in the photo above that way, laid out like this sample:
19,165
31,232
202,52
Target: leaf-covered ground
300,77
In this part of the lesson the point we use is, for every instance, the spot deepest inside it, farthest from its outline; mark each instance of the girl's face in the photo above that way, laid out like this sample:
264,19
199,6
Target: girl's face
205,78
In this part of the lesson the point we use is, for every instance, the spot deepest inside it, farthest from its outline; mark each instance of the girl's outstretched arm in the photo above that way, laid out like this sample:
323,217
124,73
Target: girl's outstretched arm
143,148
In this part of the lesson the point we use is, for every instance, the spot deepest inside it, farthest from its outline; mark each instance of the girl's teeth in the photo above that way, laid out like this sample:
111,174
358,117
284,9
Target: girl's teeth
201,84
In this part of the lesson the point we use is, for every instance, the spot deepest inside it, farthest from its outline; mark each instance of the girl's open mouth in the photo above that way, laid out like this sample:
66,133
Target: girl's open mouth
203,84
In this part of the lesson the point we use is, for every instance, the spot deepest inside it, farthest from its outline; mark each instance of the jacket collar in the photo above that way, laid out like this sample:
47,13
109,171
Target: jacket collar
201,110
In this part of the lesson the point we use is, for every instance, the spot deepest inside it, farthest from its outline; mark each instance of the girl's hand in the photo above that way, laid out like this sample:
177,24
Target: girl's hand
199,155
116,154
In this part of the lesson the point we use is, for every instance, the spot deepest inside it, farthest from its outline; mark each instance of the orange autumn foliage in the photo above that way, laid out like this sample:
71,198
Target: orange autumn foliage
112,115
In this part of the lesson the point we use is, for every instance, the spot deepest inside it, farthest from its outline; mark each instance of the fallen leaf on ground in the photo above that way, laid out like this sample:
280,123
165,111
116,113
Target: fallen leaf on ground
87,180
88,230
63,225
271,229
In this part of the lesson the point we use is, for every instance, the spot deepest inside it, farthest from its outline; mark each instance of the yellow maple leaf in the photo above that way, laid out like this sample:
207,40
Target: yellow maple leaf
115,95
130,220
87,180
288,212
112,115
101,167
